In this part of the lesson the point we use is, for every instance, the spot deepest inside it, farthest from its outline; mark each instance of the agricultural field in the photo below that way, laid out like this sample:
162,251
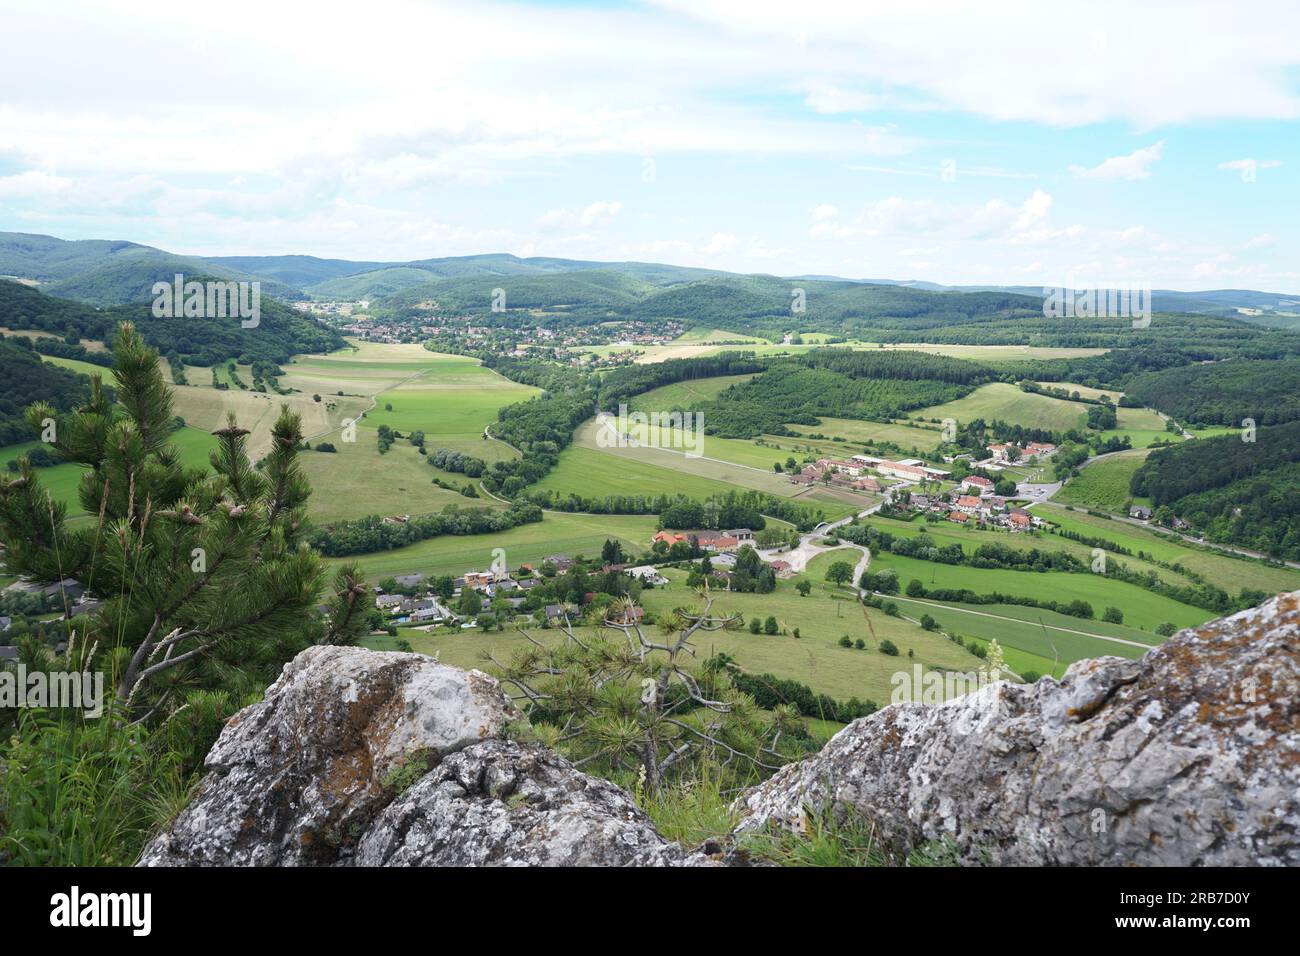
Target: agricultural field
1103,484
694,347
398,482
1141,608
557,533
1000,400
945,533
63,481
683,395
1142,426
1228,572
815,657
77,365
865,432
1033,639
586,468
1085,391
449,397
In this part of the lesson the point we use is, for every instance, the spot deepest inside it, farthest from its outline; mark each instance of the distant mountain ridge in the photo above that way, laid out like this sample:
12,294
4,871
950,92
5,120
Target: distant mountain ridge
113,272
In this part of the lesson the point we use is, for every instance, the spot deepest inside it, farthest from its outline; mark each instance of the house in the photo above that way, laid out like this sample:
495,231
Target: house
1039,449
715,540
8,653
648,574
5,623
958,516
740,534
1020,519
968,503
1143,514
388,601
781,568
669,538
553,612
560,562
627,614
409,580
977,484
867,484
869,460
84,606
851,468
69,589
526,584
896,469
430,610
1005,452
801,480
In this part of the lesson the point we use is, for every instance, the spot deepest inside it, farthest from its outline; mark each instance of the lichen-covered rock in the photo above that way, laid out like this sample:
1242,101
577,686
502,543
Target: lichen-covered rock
1190,755
297,778
508,804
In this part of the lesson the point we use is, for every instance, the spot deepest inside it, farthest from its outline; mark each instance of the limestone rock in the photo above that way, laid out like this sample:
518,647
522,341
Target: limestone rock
297,778
507,804
1190,755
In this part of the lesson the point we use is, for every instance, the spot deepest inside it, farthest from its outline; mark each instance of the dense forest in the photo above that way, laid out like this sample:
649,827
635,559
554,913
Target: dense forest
1224,393
281,333
839,383
1233,491
27,380
623,383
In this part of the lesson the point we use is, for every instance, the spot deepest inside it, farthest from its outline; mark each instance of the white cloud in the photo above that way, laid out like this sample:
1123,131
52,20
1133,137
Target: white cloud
898,216
1262,241
721,242
1136,165
597,214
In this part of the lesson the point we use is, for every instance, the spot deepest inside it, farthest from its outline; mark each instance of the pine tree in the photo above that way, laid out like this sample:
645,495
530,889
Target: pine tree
207,580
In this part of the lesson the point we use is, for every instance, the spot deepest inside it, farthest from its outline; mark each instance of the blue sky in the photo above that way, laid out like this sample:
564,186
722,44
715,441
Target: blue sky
1023,143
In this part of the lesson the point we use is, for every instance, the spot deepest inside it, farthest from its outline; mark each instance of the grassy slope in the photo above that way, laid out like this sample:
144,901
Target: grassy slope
814,658
589,469
945,533
1103,484
63,481
557,534
1231,574
1000,400
1141,608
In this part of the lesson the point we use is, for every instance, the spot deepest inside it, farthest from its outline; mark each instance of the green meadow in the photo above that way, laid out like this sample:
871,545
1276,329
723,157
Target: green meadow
1001,400
1228,572
566,534
1141,608
815,657
945,533
1104,483
63,481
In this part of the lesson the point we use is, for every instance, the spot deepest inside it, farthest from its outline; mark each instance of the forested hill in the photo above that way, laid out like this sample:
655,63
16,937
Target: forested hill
839,383
106,273
28,379
1224,393
282,332
1232,491
770,306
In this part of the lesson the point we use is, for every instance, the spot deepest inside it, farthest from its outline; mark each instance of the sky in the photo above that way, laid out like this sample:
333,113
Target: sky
961,143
